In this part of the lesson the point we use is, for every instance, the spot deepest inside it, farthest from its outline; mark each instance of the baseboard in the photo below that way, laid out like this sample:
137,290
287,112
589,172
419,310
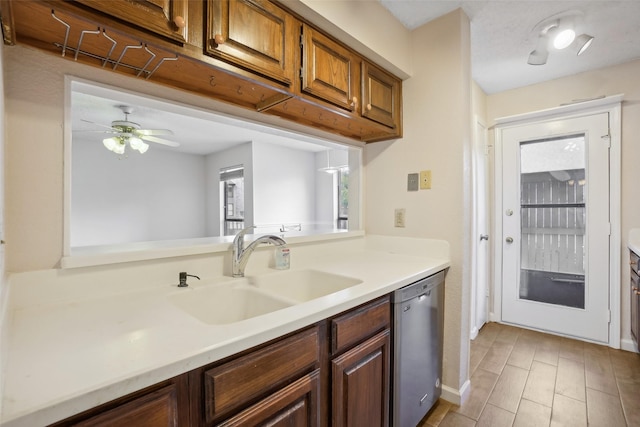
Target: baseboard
474,333
457,397
4,333
628,345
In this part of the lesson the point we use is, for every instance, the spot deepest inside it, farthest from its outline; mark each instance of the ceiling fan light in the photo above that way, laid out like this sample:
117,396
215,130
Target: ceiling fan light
583,42
564,38
119,148
110,143
135,142
143,147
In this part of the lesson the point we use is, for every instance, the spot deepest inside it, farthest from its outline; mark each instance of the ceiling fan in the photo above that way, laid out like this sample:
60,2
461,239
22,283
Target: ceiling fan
127,132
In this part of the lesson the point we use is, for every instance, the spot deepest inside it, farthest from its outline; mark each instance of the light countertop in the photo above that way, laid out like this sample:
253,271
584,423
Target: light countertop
75,354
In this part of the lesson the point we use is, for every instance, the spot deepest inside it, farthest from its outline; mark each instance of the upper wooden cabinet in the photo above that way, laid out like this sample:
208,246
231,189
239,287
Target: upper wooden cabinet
328,69
167,18
254,54
255,35
381,95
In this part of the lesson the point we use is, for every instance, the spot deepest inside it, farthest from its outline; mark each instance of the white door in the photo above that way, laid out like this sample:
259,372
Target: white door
480,276
556,226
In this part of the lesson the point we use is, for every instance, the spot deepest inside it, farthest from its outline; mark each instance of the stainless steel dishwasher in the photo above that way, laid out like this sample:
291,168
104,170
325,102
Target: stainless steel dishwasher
418,330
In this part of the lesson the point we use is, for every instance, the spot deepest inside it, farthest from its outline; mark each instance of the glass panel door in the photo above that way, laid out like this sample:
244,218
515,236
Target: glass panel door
553,221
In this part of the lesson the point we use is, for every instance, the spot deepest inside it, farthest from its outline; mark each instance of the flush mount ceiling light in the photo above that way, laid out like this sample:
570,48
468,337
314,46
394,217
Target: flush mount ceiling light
558,32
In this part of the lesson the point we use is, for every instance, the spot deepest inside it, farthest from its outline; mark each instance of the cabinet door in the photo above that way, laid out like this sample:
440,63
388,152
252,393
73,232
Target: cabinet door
295,405
157,408
255,35
380,96
327,69
360,384
167,18
635,314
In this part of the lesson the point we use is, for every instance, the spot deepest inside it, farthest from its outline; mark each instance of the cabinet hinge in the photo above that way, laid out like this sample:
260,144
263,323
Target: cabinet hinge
608,316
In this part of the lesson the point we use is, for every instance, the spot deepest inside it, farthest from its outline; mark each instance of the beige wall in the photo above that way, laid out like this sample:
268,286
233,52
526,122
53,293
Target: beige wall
621,79
437,119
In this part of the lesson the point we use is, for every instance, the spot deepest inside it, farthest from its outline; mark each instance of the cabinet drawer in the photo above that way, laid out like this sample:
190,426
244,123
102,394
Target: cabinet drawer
233,385
359,324
297,405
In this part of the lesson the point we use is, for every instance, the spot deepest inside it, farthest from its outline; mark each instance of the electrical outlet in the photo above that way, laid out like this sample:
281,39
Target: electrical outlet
425,180
413,182
399,217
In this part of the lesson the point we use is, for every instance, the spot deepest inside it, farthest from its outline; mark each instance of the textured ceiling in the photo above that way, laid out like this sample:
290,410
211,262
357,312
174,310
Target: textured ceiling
502,36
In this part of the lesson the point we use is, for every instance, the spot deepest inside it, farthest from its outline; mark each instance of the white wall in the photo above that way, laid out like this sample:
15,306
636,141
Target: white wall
158,195
284,183
620,79
240,155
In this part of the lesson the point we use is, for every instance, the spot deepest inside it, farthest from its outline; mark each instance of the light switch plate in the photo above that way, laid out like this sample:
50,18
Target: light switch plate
413,181
425,180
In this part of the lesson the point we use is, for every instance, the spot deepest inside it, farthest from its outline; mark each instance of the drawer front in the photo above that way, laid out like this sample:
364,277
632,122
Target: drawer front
360,324
298,404
634,260
233,385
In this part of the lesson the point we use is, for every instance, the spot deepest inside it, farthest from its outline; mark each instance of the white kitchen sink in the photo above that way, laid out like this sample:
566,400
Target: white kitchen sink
302,285
224,304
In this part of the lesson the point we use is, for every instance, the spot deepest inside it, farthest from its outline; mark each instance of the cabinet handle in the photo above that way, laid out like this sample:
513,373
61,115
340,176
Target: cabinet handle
179,21
354,101
368,107
635,290
217,40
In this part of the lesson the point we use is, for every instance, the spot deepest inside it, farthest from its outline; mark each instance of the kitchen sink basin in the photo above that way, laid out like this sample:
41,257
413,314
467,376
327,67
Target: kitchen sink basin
224,304
302,285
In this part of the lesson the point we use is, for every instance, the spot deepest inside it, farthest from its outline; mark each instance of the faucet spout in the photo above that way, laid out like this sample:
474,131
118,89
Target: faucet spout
241,255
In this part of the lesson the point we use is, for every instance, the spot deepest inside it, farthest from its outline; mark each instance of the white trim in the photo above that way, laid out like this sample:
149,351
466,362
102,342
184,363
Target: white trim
628,345
474,333
558,111
455,396
615,201
613,106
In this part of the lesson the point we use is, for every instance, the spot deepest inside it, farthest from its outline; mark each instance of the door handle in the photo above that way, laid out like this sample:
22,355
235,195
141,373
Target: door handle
509,240
484,237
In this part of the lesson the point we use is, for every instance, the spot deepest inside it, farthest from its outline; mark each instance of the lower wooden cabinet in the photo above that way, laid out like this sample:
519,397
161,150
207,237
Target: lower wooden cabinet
307,378
360,384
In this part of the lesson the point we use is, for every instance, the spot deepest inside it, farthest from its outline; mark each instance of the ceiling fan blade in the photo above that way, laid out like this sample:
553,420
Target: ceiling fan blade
159,140
97,124
152,132
94,131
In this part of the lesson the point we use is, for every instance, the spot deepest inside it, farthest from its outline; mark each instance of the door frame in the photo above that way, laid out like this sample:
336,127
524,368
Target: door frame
613,106
480,143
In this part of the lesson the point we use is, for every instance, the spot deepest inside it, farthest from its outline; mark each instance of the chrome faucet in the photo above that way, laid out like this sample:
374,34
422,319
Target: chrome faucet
241,254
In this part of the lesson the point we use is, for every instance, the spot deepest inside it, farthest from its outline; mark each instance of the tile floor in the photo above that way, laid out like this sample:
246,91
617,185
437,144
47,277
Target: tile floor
526,378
